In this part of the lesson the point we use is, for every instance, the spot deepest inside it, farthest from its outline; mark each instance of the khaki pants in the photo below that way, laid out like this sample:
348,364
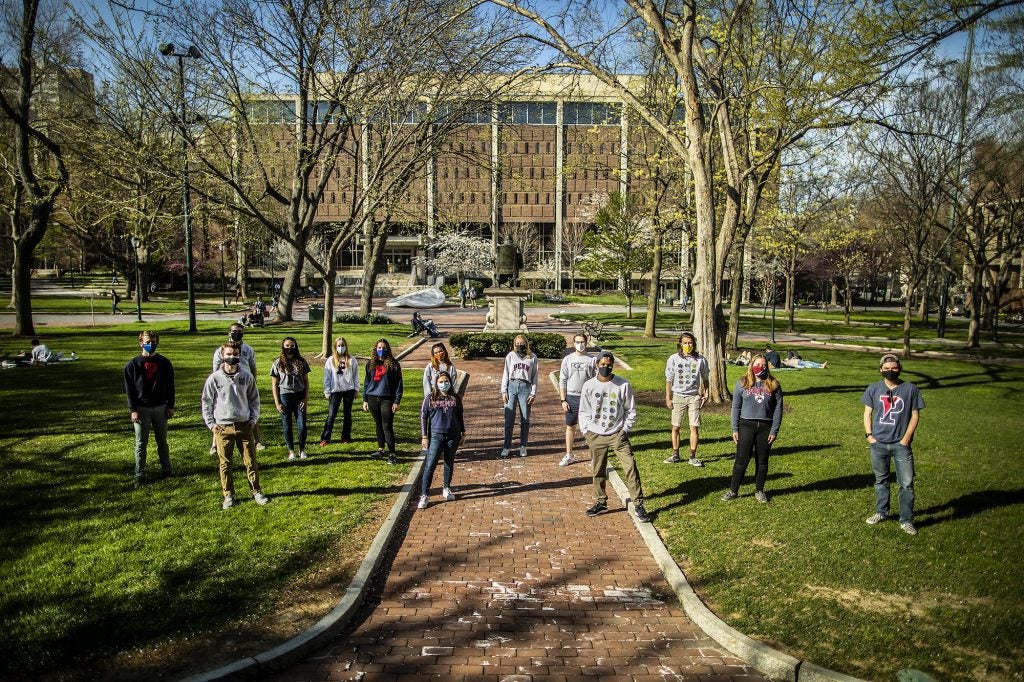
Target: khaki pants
225,436
618,443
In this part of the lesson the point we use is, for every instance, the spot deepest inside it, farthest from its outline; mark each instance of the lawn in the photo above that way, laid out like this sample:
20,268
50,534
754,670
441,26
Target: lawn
98,577
805,573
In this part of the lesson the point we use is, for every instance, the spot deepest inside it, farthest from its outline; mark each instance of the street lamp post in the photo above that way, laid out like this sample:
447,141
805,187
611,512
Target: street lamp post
136,243
223,290
775,267
167,50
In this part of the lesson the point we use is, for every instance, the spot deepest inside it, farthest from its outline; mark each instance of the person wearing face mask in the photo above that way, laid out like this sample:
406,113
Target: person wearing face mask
149,384
607,415
686,391
518,388
443,429
341,382
439,362
892,412
756,417
231,407
288,380
577,368
382,394
236,332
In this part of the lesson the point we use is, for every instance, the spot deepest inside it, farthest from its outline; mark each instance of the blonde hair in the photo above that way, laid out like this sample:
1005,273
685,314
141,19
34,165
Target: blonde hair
525,340
770,382
334,351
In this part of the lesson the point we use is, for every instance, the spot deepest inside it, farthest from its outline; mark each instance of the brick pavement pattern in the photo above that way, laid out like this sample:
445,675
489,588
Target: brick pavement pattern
511,581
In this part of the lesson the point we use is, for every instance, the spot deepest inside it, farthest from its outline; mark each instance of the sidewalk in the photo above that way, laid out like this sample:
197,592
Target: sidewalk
512,581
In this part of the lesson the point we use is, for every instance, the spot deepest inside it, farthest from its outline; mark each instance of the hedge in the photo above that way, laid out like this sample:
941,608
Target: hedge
498,344
356,318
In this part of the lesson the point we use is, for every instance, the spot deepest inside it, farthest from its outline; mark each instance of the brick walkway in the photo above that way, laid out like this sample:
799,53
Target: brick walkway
511,581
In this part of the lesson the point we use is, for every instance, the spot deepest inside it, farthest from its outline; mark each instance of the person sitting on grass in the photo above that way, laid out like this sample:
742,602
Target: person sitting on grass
41,355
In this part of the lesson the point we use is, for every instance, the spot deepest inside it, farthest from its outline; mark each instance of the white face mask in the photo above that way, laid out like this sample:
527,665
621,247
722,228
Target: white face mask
341,349
581,347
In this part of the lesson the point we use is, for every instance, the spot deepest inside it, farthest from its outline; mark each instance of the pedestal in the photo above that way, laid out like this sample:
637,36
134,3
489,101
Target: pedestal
505,312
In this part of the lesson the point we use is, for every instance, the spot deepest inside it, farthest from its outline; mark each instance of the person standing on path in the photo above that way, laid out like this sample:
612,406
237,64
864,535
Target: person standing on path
756,417
382,394
607,415
149,385
577,368
443,429
439,362
231,408
341,381
236,333
518,388
289,382
686,390
892,412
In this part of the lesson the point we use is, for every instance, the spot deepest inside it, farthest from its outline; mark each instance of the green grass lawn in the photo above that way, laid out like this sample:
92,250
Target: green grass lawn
97,576
159,303
805,573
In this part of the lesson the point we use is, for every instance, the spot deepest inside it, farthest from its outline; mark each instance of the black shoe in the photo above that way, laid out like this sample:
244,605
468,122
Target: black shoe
598,508
392,459
641,514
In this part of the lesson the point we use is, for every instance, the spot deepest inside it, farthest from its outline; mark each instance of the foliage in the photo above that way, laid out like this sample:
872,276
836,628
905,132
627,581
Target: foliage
495,344
621,246
452,290
356,318
456,254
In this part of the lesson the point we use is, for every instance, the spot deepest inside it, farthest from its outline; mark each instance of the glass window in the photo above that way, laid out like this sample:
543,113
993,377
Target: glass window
592,113
270,111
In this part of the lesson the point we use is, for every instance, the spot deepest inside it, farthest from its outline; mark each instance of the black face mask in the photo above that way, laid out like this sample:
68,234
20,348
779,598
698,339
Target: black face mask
231,361
605,371
288,351
891,374
521,349
236,336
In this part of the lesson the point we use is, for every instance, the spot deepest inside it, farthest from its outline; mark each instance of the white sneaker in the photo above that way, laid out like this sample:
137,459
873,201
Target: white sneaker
504,453
522,451
260,498
448,494
422,503
261,446
567,460
213,449
302,454
291,455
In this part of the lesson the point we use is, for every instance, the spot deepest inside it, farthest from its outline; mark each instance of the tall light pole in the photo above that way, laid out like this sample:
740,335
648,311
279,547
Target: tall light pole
167,50
223,291
775,269
136,243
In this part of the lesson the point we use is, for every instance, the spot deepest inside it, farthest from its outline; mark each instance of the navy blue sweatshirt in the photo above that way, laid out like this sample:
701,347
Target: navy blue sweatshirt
149,381
443,416
380,382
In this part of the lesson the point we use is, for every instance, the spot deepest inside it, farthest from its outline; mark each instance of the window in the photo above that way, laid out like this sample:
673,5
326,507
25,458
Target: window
592,113
527,113
270,111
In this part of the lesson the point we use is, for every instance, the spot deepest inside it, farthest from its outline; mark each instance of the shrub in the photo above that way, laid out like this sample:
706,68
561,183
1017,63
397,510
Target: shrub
356,318
452,290
498,344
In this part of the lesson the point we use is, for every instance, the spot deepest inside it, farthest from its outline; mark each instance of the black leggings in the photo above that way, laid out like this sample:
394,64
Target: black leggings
753,436
384,418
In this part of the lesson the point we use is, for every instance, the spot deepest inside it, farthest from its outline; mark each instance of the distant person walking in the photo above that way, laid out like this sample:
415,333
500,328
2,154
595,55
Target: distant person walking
686,390
577,369
382,394
518,389
607,415
115,298
231,408
149,385
756,418
442,430
341,382
892,412
462,297
289,382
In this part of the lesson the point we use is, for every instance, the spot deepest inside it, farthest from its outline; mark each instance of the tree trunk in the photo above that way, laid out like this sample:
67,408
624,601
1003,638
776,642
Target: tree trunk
922,308
290,284
908,304
974,326
326,342
848,303
732,337
650,326
373,259
835,295
21,288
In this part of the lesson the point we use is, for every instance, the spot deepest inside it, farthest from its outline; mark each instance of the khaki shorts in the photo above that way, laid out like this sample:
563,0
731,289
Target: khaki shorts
685,403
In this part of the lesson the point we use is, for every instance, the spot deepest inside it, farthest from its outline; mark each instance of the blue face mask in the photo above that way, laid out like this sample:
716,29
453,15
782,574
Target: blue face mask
381,352
444,386
149,347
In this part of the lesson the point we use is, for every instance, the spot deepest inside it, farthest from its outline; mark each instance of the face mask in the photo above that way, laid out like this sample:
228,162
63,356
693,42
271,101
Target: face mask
236,336
288,351
520,349
891,374
381,352
604,371
581,347
687,348
149,347
761,373
341,350
233,360
444,386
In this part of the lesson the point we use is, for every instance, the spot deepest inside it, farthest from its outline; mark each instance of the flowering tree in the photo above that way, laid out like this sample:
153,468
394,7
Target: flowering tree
458,254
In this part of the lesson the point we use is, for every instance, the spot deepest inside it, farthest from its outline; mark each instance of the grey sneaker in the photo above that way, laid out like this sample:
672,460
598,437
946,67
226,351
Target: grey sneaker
674,459
392,459
448,494
213,448
291,456
422,503
729,495
504,453
302,454
227,503
567,460
260,446
597,508
761,497
260,498
522,451
908,528
641,514
875,519
694,462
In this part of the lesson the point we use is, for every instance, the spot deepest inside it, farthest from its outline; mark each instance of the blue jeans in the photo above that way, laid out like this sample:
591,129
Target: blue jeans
155,418
903,460
338,399
444,445
518,392
290,402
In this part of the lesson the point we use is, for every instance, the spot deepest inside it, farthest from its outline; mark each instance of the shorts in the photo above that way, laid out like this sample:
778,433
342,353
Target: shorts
689,403
573,415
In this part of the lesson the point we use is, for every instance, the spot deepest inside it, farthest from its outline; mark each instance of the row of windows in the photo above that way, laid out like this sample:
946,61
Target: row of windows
508,198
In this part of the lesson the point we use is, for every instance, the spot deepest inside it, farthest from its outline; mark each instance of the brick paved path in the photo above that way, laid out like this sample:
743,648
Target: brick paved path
511,581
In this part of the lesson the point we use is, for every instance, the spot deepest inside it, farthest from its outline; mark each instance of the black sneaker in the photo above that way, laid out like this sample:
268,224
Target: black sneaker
392,459
641,514
598,508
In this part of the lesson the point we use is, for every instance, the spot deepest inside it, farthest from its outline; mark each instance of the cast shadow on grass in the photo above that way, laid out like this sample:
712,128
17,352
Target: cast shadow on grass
849,482
693,490
968,505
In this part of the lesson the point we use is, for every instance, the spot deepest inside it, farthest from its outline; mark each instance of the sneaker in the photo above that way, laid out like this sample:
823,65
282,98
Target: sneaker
324,443
392,459
694,462
228,502
567,460
522,451
379,453
761,497
448,494
302,454
260,446
260,498
641,514
597,508
875,519
504,453
213,449
674,459
729,495
422,503
908,528
291,455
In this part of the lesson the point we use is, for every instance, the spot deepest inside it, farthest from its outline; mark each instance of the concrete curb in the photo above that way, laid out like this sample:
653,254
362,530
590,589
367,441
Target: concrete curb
777,665
338,618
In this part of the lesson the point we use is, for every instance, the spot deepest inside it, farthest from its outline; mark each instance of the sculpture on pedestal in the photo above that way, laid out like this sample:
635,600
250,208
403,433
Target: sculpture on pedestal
507,263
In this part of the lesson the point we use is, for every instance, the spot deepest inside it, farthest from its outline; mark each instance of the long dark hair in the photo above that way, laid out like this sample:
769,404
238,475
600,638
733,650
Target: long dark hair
294,364
436,396
389,360
693,340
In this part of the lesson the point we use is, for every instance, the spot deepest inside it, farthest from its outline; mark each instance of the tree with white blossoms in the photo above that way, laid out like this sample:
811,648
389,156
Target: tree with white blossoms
458,254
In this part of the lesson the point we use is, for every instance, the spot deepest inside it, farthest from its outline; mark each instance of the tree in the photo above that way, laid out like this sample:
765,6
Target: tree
458,254
621,247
